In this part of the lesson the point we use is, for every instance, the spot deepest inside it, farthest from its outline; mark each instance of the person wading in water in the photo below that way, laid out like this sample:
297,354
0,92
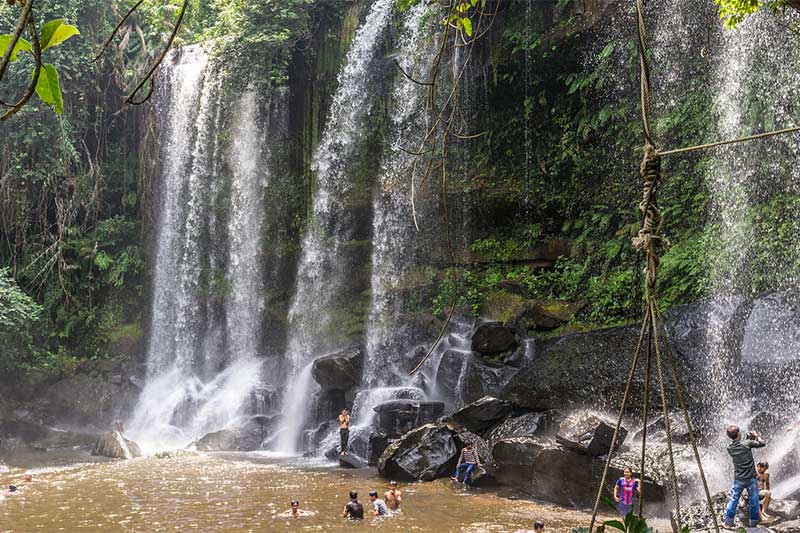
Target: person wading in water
744,474
344,430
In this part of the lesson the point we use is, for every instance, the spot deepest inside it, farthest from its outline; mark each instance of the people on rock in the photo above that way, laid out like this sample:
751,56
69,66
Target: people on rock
294,511
344,430
353,510
764,494
625,491
467,462
538,527
379,506
744,474
393,497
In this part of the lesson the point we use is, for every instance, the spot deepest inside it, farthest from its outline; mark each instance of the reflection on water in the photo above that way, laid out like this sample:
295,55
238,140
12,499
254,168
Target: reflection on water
242,492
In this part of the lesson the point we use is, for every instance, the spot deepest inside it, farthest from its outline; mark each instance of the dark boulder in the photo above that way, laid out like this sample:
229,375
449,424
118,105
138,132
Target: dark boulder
113,444
771,336
352,461
582,369
588,433
492,338
396,417
245,438
426,453
543,469
482,414
378,442
340,370
546,470
527,425
223,440
463,377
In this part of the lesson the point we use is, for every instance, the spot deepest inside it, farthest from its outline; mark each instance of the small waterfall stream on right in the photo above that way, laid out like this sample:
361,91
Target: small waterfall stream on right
750,334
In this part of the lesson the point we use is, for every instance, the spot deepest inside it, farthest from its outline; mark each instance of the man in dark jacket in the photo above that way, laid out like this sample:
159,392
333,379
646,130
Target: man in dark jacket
744,474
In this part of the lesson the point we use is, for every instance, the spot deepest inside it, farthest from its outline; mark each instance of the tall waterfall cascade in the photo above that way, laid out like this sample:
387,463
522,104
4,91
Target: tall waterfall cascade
203,356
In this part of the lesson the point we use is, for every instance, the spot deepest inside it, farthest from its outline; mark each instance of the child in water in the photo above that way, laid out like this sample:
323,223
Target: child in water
625,491
764,493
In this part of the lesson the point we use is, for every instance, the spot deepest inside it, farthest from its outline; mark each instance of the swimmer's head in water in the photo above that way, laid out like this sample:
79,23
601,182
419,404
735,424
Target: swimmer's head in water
12,488
28,478
393,483
373,494
538,526
353,495
295,503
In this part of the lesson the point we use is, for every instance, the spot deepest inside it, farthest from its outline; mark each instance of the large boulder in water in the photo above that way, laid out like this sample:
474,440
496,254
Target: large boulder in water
586,432
426,453
492,338
114,444
482,414
340,370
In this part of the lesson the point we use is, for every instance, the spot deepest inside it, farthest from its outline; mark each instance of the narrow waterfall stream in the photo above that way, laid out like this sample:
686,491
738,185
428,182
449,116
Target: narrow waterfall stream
322,273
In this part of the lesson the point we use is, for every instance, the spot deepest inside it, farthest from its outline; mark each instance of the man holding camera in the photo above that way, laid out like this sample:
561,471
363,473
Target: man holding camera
744,474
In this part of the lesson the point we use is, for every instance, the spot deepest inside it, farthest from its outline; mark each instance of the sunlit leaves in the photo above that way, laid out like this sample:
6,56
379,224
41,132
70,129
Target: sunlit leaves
56,32
22,45
52,33
734,12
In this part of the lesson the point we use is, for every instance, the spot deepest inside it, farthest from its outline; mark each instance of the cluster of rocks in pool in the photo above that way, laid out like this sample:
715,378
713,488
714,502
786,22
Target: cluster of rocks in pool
549,455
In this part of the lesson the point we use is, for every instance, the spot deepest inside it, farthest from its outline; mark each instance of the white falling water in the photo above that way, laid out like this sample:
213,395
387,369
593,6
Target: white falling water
203,356
321,273
394,235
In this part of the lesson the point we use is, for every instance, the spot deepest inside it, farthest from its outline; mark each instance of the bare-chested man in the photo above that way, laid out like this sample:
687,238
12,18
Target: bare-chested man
344,430
393,497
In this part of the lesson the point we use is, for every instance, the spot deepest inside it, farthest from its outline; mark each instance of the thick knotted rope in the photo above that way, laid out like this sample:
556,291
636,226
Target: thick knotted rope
651,242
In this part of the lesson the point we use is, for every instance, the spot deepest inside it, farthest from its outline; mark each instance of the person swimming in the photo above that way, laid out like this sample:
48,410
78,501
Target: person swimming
12,491
393,497
295,511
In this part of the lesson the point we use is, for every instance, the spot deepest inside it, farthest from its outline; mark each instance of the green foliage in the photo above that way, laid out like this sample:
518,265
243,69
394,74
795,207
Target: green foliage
734,12
18,313
53,33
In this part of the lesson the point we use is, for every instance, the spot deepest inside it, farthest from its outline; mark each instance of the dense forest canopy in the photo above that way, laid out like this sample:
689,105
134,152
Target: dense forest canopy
75,215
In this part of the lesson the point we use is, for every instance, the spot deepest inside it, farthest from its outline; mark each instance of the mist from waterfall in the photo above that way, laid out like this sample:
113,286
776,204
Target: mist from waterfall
322,272
203,356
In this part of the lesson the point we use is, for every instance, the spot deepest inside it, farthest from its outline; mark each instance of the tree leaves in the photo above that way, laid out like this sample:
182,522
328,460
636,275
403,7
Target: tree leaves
22,44
56,32
49,89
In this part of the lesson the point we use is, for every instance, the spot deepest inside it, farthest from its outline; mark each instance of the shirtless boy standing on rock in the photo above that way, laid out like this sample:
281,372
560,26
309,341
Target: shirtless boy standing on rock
344,430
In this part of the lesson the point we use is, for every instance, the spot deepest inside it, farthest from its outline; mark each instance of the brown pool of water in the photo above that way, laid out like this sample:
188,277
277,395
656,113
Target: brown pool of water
244,492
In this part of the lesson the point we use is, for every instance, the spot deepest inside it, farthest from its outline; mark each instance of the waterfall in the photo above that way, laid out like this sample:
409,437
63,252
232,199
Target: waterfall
755,83
203,354
393,232
323,271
